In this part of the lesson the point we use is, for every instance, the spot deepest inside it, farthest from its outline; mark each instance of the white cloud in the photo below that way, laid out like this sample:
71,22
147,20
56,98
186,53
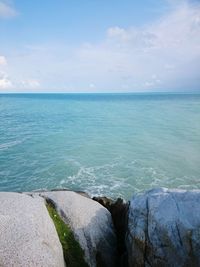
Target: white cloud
119,34
153,82
170,48
149,84
5,82
162,56
30,83
3,61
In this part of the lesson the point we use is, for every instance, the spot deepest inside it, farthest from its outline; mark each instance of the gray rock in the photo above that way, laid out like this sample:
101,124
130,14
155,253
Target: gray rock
91,223
28,237
164,228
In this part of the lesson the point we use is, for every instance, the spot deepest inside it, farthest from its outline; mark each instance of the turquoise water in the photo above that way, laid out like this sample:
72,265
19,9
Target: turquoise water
114,144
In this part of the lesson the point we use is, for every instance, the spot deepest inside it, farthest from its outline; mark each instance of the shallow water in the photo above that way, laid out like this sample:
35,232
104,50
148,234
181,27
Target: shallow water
113,144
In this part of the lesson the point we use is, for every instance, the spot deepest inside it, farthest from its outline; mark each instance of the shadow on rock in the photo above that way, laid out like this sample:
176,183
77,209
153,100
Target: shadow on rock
118,210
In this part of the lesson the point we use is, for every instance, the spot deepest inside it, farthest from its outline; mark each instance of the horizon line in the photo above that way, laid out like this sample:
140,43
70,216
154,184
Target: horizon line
62,93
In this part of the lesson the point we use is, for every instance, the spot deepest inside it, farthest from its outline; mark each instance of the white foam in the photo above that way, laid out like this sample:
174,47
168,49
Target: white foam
8,145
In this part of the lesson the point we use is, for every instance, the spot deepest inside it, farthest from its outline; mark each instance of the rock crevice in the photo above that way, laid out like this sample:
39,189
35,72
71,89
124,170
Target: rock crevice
159,228
119,210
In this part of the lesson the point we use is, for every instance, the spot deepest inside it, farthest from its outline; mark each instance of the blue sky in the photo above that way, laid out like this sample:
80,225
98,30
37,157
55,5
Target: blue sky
99,46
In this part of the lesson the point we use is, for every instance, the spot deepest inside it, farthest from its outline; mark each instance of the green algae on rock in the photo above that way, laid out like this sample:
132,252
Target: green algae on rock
73,253
91,225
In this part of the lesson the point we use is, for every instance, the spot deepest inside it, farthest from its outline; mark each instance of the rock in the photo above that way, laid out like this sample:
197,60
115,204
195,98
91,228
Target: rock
28,237
118,210
82,193
104,201
164,228
91,224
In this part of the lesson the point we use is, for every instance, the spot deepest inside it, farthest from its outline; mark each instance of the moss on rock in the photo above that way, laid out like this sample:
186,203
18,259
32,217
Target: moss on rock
73,253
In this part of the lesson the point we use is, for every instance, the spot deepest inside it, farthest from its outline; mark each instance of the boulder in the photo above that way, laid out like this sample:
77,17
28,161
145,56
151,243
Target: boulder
28,237
91,224
164,228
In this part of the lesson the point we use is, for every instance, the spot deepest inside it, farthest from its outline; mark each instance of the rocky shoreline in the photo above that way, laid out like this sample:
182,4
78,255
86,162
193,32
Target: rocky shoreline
160,227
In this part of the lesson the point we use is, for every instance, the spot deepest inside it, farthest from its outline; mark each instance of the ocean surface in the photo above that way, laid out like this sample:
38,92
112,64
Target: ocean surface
104,144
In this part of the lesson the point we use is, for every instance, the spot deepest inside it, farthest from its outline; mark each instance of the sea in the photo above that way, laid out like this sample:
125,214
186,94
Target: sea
104,144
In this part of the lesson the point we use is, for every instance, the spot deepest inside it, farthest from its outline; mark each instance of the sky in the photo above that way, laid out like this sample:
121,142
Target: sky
99,46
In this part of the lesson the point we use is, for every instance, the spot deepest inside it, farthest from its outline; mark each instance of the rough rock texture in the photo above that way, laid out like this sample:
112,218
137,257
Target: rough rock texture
27,235
91,223
118,210
164,228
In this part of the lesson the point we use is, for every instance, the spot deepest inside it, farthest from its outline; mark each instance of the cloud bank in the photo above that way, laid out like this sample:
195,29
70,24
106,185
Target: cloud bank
161,56
5,82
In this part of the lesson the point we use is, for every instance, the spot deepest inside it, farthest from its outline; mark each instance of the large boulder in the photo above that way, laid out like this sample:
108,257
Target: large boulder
164,228
91,224
28,237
